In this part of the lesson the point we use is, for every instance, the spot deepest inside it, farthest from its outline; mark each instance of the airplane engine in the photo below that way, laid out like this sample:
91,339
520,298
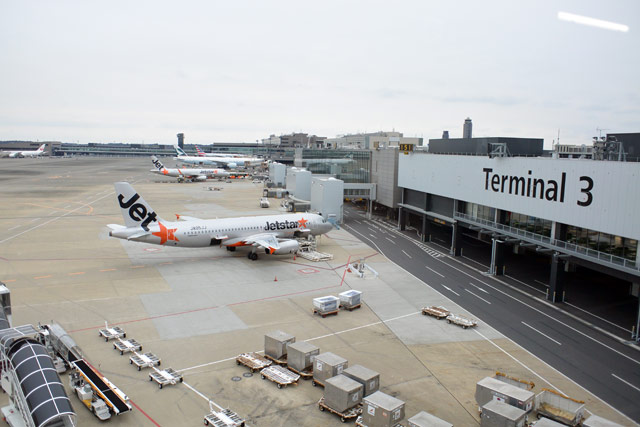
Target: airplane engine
286,247
201,178
232,165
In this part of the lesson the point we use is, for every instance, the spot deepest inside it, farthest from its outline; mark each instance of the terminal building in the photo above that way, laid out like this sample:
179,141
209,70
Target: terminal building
575,212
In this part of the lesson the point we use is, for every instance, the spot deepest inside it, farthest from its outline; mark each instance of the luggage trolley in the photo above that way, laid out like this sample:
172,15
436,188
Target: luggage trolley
223,418
253,361
459,320
146,360
438,312
127,346
279,375
165,377
345,416
111,333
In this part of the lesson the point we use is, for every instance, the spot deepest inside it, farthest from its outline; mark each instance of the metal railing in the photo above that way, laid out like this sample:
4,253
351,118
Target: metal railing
560,245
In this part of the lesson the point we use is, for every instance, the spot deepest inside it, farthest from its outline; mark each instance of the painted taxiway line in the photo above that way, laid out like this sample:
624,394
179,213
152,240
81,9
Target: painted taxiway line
478,296
433,271
541,333
626,382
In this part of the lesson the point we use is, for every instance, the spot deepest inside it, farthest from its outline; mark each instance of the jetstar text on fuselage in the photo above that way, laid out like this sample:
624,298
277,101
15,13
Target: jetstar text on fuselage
282,225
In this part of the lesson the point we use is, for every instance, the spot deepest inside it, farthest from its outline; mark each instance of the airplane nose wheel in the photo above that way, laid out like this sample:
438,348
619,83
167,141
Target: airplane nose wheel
252,256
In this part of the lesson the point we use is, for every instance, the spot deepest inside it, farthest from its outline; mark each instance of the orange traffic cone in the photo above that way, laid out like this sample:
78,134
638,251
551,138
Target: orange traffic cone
275,279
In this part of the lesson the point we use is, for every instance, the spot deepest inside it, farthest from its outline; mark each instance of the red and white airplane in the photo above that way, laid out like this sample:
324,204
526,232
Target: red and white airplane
273,234
187,174
25,153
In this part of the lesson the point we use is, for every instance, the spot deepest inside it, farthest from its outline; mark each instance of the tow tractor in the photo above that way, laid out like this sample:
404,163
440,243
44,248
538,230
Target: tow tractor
97,393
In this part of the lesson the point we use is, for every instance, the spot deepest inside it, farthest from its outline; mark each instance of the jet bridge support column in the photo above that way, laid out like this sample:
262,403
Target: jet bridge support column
497,257
456,250
555,293
426,229
402,218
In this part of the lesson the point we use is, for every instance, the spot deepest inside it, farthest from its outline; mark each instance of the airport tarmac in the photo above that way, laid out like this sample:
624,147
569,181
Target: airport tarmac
199,308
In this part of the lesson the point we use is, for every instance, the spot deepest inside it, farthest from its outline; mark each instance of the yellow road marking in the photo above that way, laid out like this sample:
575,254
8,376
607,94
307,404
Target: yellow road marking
76,273
137,266
108,269
42,277
8,281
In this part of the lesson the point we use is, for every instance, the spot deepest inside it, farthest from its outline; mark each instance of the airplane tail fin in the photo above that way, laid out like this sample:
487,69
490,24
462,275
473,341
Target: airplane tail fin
179,151
199,151
41,148
135,211
157,163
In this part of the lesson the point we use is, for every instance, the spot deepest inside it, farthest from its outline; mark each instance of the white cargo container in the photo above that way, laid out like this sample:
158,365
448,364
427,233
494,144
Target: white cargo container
327,196
342,393
327,365
499,414
382,410
300,355
350,298
369,379
596,421
488,389
425,419
275,343
326,304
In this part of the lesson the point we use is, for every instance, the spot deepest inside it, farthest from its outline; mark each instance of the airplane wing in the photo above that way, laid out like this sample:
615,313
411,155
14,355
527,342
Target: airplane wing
266,240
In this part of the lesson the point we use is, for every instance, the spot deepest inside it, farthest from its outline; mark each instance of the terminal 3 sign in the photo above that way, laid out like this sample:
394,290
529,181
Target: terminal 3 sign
598,195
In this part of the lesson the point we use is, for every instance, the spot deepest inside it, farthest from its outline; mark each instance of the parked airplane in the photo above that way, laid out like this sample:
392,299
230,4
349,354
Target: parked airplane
233,156
187,174
214,160
275,234
25,153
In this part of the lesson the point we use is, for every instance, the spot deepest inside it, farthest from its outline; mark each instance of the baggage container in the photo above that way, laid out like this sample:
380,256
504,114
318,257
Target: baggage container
488,389
559,407
350,299
326,304
300,355
369,379
342,393
382,410
275,343
596,421
425,419
327,365
499,414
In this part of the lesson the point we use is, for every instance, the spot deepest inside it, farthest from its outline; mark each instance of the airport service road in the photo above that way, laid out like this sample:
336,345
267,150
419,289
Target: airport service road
600,364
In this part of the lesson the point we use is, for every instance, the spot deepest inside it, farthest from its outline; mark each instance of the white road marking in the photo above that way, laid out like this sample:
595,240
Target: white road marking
372,235
542,283
526,284
68,206
359,222
543,313
450,290
407,254
34,219
371,229
477,296
390,240
432,270
626,382
13,228
478,287
541,333
598,317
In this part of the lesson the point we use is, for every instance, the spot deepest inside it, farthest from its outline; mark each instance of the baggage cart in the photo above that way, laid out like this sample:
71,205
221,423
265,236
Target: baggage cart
360,423
349,414
146,360
438,312
279,375
459,320
282,361
127,346
524,384
111,333
253,361
165,377
307,374
558,407
324,313
488,389
224,418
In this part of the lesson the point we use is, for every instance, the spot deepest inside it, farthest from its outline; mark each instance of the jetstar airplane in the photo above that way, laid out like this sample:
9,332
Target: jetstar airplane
187,174
273,234
227,162
25,153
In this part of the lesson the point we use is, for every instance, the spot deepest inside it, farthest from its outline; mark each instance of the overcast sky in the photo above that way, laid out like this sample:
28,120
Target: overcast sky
238,71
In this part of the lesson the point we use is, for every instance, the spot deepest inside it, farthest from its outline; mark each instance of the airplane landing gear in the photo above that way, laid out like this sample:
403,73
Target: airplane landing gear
252,256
